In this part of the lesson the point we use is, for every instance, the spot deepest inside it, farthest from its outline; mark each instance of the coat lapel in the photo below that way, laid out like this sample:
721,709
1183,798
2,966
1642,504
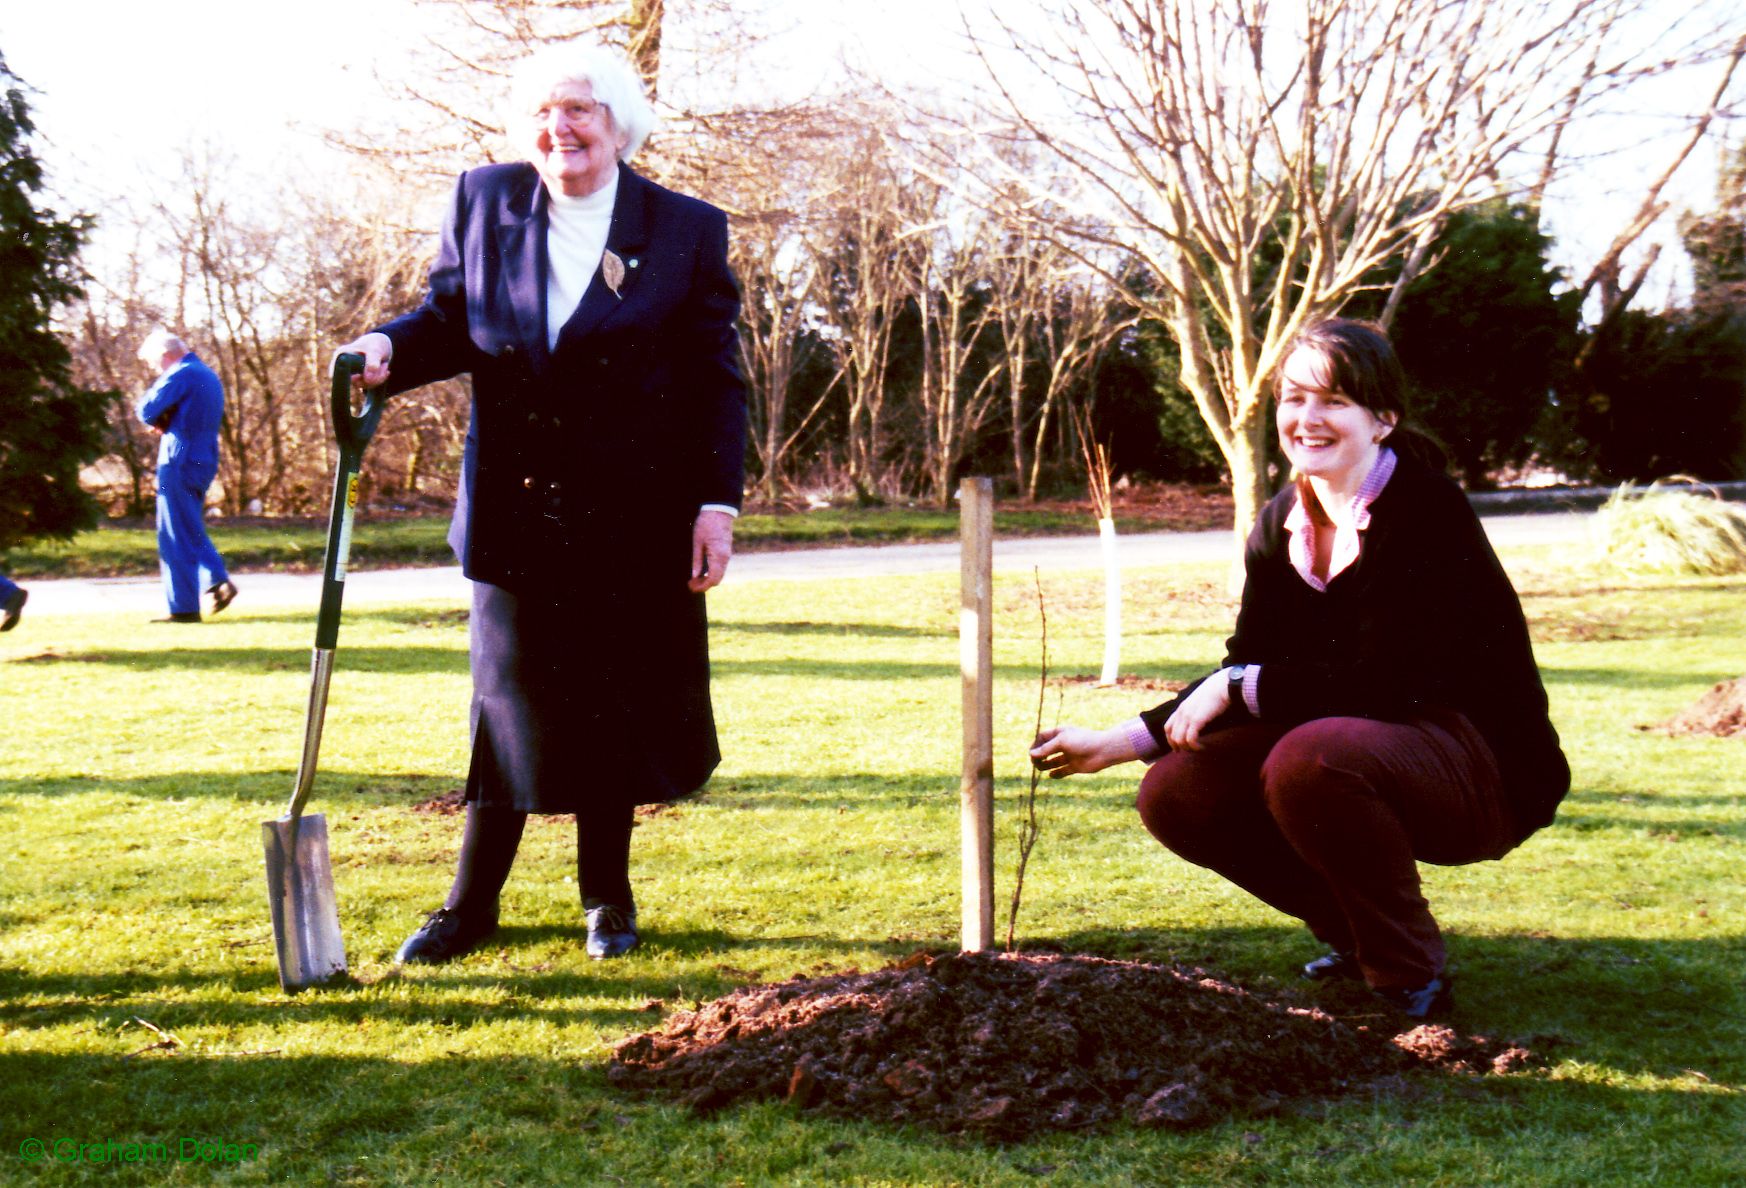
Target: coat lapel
521,239
626,238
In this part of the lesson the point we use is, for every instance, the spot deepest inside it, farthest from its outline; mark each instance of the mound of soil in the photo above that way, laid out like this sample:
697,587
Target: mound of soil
1721,713
1006,1045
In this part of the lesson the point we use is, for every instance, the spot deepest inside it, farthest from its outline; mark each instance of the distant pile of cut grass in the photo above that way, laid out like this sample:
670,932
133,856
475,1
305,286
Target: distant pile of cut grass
1660,530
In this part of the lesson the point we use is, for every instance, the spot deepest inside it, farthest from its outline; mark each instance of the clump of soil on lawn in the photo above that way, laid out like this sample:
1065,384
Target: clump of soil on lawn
444,804
1125,680
1006,1045
1719,713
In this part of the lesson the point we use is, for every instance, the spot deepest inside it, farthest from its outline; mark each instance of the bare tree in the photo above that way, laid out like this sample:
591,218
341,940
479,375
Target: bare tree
451,86
956,263
868,257
1606,277
228,267
1260,161
106,329
262,291
774,172
450,117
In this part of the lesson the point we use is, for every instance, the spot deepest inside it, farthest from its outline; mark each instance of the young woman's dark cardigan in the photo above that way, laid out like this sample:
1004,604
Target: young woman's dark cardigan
1425,619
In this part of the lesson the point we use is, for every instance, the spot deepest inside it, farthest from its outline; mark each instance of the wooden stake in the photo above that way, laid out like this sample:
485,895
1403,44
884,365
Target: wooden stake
976,659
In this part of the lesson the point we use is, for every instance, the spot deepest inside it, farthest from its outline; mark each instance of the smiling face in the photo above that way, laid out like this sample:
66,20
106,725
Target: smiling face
572,140
1324,432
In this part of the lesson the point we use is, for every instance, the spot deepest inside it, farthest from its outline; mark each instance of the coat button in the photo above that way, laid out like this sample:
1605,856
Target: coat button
528,483
603,360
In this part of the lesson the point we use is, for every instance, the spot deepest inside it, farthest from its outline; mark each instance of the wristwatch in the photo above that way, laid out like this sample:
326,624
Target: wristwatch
1234,675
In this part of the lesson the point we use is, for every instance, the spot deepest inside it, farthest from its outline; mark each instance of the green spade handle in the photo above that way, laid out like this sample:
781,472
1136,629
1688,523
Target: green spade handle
354,433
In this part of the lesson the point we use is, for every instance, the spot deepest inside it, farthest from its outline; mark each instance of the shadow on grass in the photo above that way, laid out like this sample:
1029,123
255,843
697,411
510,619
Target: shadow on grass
1663,1008
846,630
1587,593
1614,679
417,659
269,789
398,660
681,969
900,790
948,672
1670,830
1650,1006
342,789
433,615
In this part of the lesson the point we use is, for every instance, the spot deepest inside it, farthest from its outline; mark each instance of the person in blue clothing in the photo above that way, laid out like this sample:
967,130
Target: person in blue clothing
186,405
12,598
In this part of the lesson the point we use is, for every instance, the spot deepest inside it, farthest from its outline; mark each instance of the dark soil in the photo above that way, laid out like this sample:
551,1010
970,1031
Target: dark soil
1004,1046
1125,680
1719,713
444,804
1151,507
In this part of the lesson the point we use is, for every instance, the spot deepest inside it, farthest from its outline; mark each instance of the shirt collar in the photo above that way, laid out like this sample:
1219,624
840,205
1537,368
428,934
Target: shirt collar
1301,549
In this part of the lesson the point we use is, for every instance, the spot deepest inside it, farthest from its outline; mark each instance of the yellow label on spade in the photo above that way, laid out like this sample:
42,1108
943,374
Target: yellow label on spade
345,533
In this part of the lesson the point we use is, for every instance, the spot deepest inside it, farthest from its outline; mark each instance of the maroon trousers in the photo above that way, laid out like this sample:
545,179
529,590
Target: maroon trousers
1327,821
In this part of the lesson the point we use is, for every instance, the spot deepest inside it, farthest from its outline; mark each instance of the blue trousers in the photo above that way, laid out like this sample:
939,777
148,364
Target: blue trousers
8,587
186,557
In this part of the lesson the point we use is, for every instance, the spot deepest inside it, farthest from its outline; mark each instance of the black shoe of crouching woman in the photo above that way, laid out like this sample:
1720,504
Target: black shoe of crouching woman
612,930
1333,966
446,934
1433,1000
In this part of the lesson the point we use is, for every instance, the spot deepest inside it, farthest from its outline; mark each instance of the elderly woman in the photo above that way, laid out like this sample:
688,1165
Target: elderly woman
1379,704
602,473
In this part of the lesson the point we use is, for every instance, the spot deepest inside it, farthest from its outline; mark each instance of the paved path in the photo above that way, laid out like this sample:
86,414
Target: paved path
142,595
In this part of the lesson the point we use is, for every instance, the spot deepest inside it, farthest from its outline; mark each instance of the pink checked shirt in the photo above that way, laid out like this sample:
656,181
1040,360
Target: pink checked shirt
1301,551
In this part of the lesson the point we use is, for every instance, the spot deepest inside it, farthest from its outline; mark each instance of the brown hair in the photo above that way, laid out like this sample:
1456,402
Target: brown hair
1362,365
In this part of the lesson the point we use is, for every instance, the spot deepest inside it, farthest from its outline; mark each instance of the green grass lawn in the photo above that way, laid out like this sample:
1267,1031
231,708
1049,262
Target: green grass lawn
138,1001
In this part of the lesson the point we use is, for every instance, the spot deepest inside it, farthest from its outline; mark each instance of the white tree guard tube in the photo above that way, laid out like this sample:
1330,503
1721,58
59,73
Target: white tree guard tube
1112,603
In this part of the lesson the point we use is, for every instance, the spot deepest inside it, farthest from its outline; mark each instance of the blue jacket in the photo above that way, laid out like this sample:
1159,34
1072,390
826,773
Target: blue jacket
194,399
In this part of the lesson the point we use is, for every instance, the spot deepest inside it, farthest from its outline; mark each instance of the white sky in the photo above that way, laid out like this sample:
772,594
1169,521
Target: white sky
123,87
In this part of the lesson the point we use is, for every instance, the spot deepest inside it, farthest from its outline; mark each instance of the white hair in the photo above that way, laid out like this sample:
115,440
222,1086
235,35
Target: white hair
609,76
158,343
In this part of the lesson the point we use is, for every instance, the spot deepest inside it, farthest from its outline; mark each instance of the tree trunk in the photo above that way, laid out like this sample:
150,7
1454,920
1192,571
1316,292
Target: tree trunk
1247,459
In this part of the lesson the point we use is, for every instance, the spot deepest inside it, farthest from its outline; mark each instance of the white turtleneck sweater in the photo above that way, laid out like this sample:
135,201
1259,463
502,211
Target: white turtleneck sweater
576,231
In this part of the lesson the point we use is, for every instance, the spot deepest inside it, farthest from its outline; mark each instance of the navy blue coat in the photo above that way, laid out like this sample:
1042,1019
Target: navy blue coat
583,471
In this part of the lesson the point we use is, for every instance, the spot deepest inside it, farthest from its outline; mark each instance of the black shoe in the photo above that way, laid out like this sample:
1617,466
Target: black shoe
446,934
1331,966
180,617
13,607
1433,1000
611,931
223,595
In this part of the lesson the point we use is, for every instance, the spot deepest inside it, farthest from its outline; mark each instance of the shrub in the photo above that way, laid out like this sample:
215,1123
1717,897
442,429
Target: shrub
1659,530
